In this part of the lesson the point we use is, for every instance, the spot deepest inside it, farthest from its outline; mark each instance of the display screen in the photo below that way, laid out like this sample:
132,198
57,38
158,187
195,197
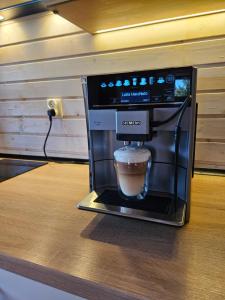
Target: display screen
144,87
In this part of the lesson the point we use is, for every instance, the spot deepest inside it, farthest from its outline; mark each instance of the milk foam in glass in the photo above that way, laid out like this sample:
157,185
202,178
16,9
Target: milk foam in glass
132,166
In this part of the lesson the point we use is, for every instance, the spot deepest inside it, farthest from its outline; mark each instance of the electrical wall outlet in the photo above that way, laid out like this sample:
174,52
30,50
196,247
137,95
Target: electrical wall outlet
56,104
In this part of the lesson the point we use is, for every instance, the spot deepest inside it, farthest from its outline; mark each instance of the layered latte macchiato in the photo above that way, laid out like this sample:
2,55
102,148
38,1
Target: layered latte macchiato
131,165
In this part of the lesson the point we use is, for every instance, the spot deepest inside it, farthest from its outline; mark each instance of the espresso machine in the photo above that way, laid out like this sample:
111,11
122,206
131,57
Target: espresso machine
154,109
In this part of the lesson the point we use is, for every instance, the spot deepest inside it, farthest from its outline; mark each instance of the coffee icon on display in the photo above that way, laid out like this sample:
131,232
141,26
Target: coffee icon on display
170,78
126,82
103,85
111,84
151,80
118,83
161,80
134,81
143,81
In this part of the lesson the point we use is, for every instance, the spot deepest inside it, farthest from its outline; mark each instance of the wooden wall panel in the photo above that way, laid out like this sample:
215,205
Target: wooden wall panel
39,126
59,146
212,78
84,43
37,108
43,56
12,125
211,129
187,54
54,88
211,154
211,104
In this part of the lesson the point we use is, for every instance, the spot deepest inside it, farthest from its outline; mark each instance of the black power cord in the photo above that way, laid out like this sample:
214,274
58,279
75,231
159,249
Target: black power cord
180,109
51,113
176,150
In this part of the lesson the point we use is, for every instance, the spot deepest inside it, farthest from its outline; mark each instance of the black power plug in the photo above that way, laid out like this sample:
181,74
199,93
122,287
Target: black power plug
51,113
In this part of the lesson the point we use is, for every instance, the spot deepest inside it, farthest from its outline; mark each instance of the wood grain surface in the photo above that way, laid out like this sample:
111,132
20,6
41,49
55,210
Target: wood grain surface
69,40
7,3
44,237
102,15
35,27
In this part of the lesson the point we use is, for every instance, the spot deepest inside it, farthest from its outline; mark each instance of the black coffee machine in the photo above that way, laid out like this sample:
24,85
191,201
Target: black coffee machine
157,109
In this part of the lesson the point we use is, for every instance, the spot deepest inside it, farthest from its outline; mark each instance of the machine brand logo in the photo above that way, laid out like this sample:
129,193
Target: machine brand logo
131,123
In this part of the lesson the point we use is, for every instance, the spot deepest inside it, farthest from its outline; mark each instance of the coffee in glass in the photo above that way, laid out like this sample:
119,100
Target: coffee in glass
132,166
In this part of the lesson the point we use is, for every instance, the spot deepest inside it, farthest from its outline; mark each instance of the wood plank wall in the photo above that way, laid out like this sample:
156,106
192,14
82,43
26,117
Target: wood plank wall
44,56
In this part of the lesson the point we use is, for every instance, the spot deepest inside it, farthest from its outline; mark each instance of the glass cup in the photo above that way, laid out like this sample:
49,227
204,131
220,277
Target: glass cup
132,165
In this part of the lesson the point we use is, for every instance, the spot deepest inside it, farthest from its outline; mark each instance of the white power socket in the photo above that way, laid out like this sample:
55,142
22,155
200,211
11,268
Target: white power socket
56,104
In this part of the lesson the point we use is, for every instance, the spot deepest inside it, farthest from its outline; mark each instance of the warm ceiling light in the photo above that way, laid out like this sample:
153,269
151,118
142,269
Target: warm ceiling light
161,21
1,18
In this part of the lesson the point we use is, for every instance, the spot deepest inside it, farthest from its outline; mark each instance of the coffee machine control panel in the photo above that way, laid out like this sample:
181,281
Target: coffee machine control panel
141,88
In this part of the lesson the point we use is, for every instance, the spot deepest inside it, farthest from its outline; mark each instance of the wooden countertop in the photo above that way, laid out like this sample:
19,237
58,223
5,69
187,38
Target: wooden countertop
43,237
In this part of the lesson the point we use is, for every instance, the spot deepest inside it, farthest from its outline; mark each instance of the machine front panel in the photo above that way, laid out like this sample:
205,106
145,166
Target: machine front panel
105,119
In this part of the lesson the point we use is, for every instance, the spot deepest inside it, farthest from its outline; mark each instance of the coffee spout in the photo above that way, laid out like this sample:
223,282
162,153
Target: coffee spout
126,143
140,143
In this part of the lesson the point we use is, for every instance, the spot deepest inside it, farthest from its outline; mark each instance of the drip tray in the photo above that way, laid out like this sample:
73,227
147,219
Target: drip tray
156,207
150,203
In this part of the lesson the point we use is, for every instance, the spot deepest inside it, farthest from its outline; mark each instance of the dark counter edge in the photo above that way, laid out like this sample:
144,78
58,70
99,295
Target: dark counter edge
62,281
